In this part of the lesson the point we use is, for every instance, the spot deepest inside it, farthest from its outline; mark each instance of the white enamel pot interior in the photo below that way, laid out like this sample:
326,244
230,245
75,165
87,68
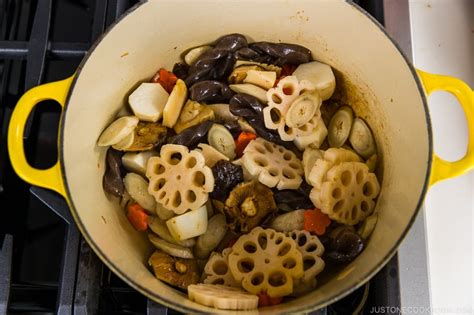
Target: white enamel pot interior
153,35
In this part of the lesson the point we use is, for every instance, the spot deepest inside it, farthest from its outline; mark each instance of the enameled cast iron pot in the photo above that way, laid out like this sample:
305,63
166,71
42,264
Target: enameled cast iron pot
153,34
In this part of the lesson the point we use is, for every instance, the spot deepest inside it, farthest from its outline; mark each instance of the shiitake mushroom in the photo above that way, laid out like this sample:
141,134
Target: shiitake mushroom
248,204
178,272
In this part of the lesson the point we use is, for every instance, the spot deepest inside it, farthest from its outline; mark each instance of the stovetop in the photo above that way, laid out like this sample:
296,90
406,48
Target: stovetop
45,265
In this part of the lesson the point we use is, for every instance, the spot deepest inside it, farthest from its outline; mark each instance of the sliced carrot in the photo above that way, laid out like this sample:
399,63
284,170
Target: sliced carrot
166,78
137,217
242,141
265,300
316,222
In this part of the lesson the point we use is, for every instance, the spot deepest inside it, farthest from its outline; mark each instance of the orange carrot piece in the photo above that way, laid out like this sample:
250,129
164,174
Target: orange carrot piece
137,217
242,141
316,222
166,78
265,300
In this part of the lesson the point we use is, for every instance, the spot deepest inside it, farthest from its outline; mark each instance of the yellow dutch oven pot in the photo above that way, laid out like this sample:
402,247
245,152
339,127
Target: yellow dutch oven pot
153,34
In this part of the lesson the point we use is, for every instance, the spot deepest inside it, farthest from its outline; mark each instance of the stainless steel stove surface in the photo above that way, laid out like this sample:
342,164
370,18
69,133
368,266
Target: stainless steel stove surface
45,266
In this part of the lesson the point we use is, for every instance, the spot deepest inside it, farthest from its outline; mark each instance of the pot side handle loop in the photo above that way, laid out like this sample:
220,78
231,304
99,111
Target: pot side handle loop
49,178
442,169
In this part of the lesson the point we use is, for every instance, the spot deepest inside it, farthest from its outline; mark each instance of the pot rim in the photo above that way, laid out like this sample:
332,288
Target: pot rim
169,303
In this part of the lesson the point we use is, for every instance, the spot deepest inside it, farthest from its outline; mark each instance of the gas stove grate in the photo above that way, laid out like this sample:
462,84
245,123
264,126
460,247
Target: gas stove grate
36,47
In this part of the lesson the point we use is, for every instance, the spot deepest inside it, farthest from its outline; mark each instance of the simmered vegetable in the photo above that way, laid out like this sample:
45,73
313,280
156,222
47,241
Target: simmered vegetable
207,242
210,92
222,297
137,187
288,222
192,136
189,224
148,101
175,103
283,53
193,114
226,176
170,248
248,205
345,246
117,131
222,140
159,228
316,222
340,126
147,136
112,180
176,271
361,138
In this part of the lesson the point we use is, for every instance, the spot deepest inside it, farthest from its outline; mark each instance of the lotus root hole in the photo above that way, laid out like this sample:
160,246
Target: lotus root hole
354,212
159,169
176,199
302,239
364,206
294,235
289,263
162,195
303,91
261,161
160,184
199,179
311,248
288,89
191,162
259,149
267,261
175,158
338,206
275,115
281,150
268,146
337,193
218,281
308,263
288,130
273,172
276,98
278,240
262,240
191,196
367,189
277,279
288,173
359,177
346,178
284,249
271,234
257,279
245,265
287,156
219,268
304,128
250,247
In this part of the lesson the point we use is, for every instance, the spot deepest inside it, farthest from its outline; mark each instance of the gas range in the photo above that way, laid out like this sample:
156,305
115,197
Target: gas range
45,265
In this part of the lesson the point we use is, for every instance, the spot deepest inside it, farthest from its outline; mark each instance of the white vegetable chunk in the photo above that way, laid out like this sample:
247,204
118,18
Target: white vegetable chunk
192,55
148,101
263,79
136,162
117,131
314,139
137,188
175,103
189,224
319,76
250,89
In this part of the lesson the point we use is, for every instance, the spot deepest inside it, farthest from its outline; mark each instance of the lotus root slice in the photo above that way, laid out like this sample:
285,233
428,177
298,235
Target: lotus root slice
179,178
217,270
311,249
272,164
266,260
348,192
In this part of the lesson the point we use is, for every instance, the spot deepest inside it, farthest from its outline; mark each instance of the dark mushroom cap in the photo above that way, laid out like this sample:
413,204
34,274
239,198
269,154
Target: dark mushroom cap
248,205
167,268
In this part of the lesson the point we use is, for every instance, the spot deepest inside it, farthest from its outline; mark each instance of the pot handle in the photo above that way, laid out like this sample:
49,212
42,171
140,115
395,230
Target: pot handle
49,178
442,169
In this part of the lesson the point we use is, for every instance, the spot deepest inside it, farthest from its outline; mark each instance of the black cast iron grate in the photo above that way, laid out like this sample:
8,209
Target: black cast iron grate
43,41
